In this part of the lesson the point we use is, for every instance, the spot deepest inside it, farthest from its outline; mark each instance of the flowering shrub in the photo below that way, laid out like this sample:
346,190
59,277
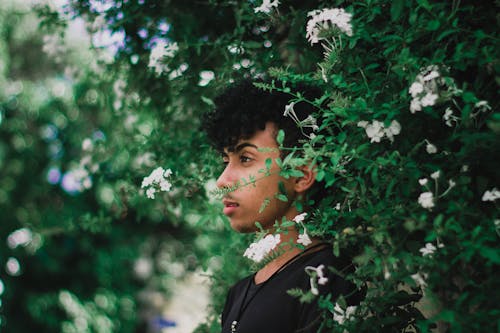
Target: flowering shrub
404,138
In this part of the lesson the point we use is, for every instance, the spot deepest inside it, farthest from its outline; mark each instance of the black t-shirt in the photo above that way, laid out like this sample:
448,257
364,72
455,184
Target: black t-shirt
269,308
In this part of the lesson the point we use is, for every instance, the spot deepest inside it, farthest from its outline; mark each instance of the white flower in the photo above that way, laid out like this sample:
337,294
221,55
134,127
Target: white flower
76,180
448,117
289,109
322,279
435,175
375,131
150,192
430,148
165,185
20,237
337,206
87,144
340,315
451,183
393,129
178,72
143,267
416,88
422,181
491,195
258,250
419,279
483,105
425,89
266,6
428,249
205,78
426,200
13,267
304,239
157,181
310,121
363,123
159,52
299,218
316,272
429,99
415,105
327,18
431,76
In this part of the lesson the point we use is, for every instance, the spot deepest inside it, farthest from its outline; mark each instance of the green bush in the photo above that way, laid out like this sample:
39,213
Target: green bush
407,144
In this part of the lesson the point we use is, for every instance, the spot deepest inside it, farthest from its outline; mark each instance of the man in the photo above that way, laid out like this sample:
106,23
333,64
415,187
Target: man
258,195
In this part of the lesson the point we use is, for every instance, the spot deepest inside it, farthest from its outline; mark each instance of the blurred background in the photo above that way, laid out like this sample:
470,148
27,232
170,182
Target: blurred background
82,248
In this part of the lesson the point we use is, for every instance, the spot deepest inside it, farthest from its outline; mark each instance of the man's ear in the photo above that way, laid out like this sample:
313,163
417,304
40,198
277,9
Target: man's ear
302,184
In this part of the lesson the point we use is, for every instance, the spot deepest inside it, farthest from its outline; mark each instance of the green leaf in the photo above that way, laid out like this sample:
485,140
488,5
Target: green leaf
282,197
295,173
265,203
208,101
433,25
492,254
280,137
268,162
397,7
424,3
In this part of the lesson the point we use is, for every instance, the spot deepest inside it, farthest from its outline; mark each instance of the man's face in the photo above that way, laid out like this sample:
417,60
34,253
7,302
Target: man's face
245,163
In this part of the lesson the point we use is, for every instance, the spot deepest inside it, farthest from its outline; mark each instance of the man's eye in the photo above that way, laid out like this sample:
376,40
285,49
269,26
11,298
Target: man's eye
245,159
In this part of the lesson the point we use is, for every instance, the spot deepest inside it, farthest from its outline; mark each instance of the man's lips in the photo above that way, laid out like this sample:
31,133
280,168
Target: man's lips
229,206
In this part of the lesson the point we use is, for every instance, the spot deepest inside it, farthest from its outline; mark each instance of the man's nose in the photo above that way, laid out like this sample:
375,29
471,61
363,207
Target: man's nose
225,178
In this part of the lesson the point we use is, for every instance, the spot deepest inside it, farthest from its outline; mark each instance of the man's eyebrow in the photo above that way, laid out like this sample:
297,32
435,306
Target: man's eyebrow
235,149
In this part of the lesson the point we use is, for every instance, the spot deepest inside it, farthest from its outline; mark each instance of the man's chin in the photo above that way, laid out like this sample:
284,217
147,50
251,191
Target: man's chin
243,227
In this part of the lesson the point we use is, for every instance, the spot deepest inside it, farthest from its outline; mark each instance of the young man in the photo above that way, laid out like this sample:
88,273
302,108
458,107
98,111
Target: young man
244,128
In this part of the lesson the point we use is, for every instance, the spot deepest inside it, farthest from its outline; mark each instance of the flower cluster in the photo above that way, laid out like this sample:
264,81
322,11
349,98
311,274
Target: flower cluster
491,195
449,118
309,122
158,54
429,249
376,130
340,315
317,276
76,180
260,249
303,238
267,6
424,90
20,237
327,18
427,199
205,78
157,181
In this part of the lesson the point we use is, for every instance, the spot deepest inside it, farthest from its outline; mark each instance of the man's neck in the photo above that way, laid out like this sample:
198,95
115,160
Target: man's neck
288,249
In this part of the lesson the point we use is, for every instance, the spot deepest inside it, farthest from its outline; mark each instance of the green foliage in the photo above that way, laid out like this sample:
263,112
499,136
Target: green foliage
426,261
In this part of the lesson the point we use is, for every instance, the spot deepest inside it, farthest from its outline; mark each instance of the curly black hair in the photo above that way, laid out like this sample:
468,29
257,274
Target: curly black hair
243,109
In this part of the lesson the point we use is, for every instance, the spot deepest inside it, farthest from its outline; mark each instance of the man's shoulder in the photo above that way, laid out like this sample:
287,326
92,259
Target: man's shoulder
326,257
241,284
